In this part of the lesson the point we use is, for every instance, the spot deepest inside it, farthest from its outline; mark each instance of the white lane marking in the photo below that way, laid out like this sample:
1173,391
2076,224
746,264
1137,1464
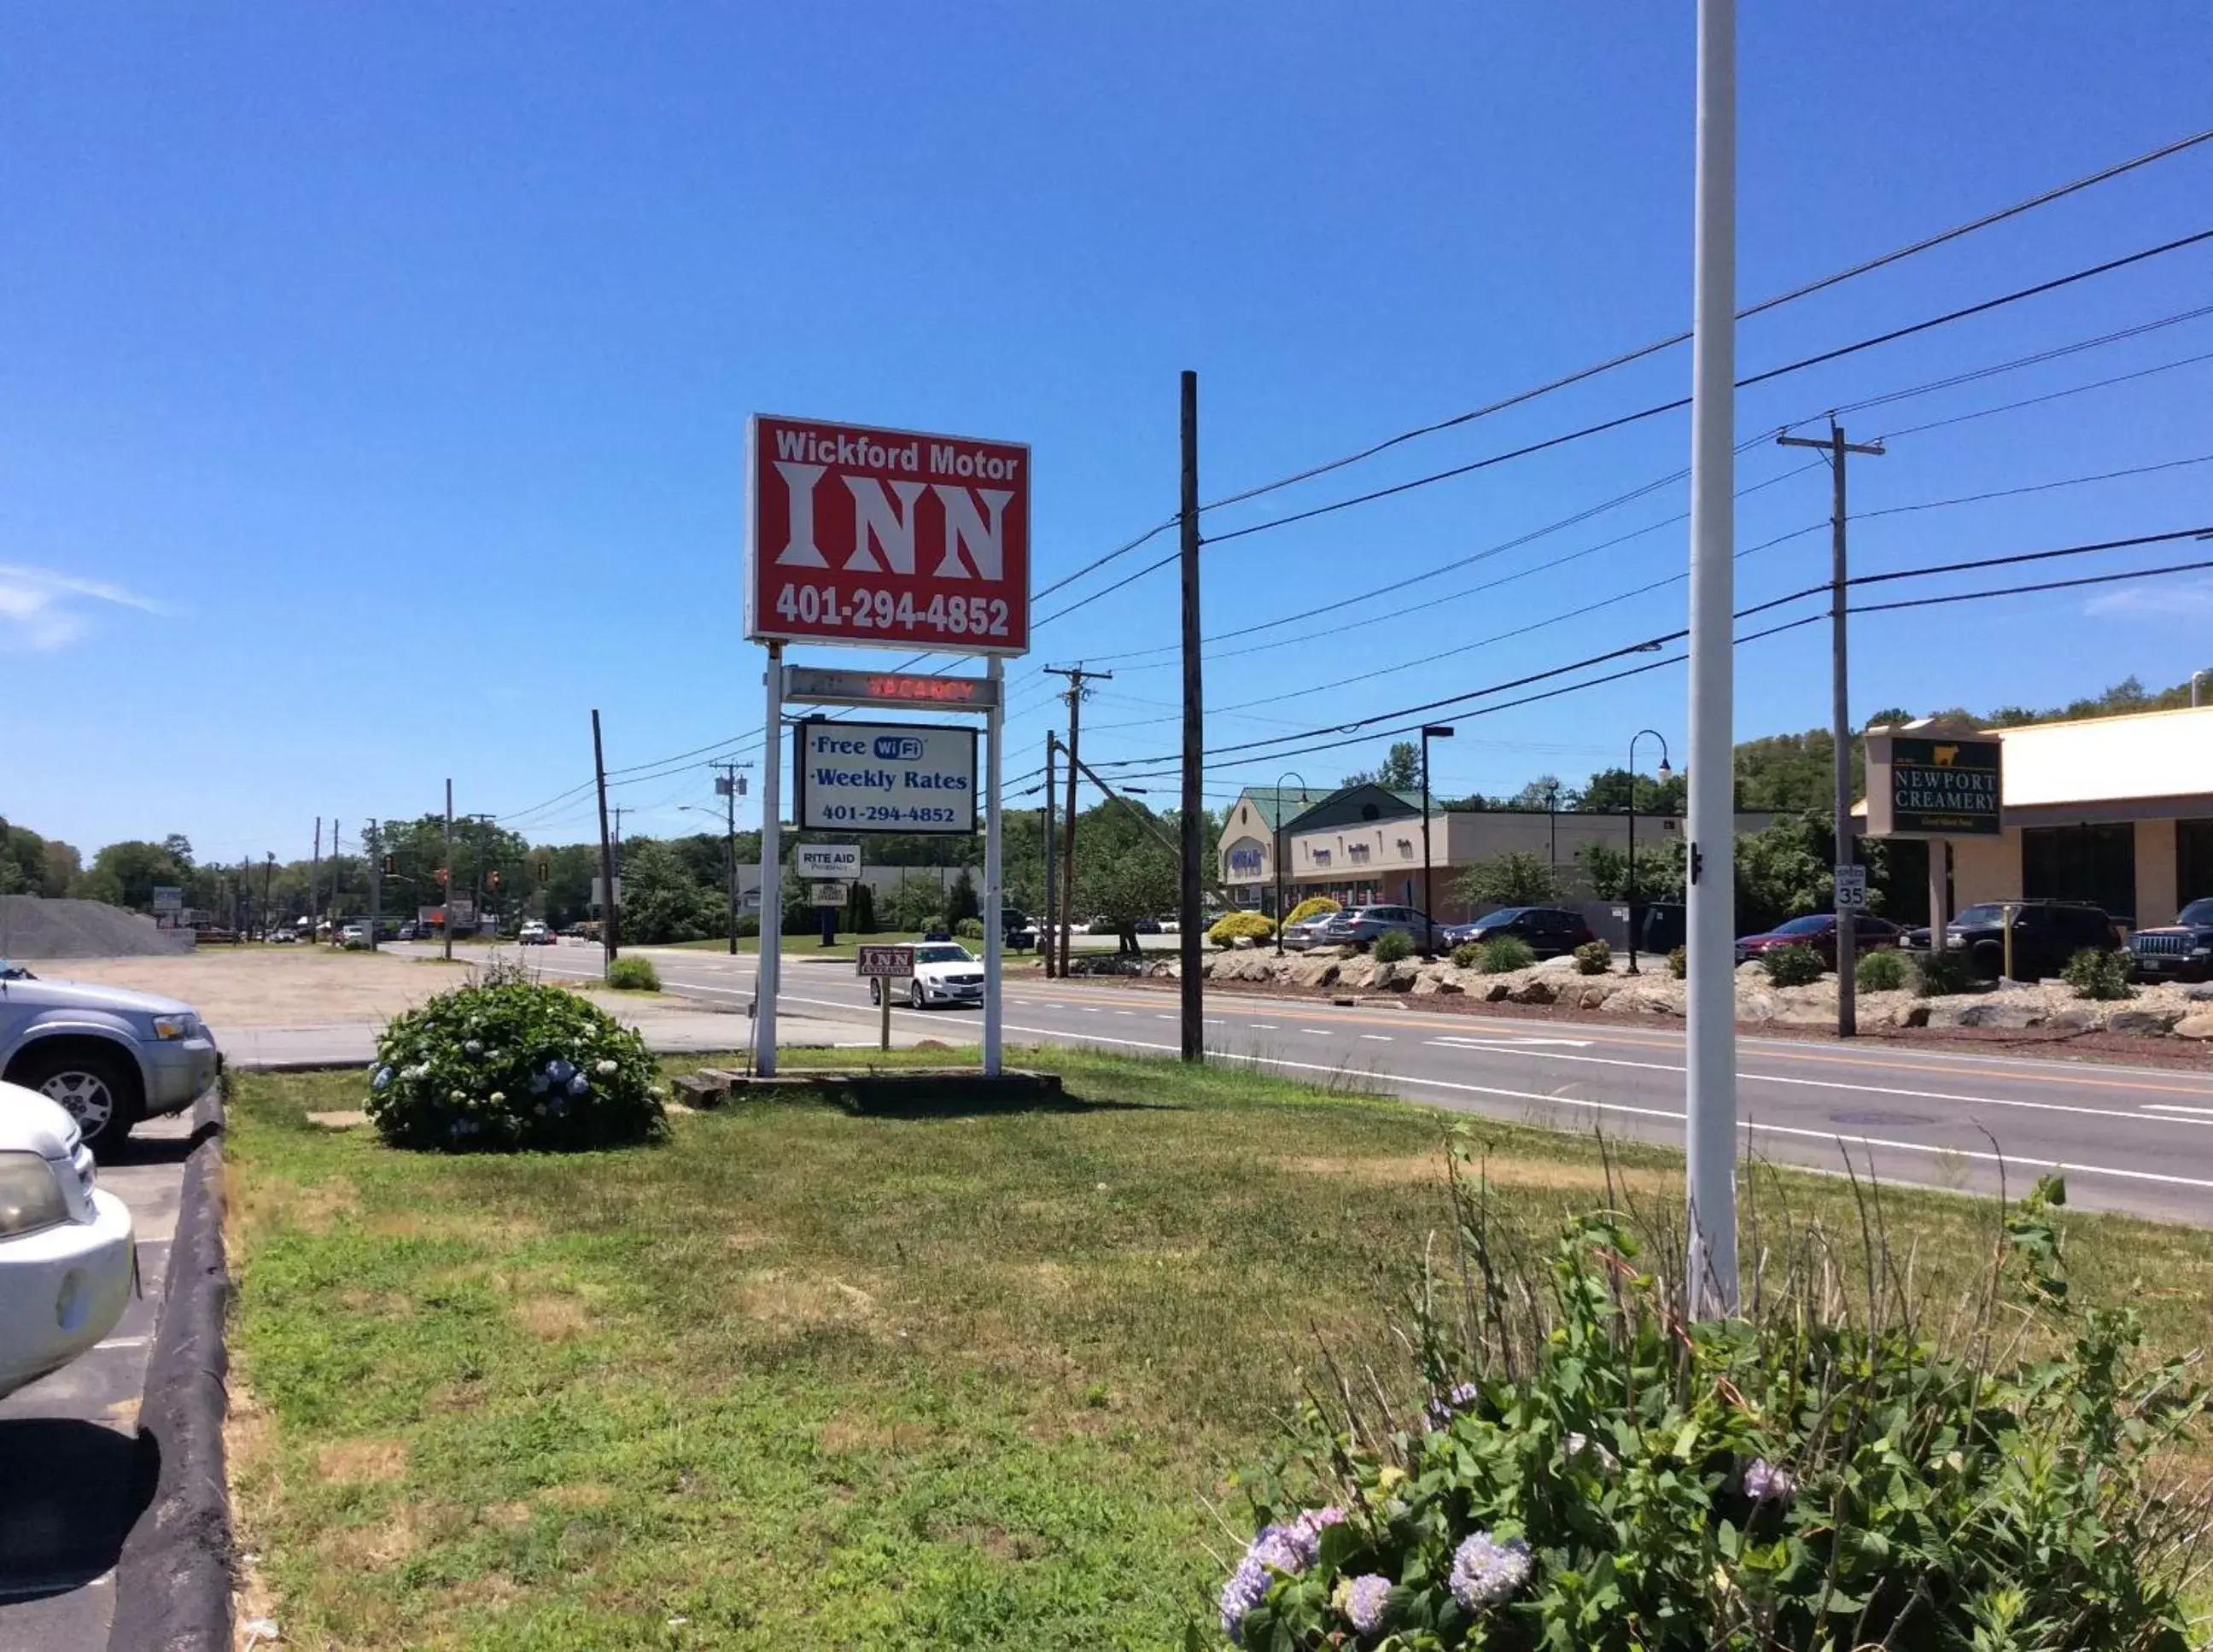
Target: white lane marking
1317,1032
1931,1148
123,1342
1089,1009
1163,1018
1459,1043
1261,1026
1125,1012
2171,1106
1877,1090
1377,1038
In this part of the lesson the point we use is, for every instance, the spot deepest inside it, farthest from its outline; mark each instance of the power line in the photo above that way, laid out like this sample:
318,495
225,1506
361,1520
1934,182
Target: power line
2023,590
1583,373
2048,395
1658,408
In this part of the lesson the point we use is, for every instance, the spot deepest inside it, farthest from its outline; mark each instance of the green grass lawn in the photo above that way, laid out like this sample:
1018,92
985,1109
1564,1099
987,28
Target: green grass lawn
803,1379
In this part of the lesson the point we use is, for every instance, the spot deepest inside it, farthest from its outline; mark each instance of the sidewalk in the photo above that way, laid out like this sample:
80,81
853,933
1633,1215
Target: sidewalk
668,1033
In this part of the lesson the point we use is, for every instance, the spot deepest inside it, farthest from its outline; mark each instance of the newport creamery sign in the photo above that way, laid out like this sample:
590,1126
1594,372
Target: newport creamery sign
1934,780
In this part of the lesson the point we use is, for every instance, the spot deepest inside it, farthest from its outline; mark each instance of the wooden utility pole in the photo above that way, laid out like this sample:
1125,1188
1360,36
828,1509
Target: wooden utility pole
731,788
1194,741
1840,723
1077,676
1051,749
607,938
314,877
446,884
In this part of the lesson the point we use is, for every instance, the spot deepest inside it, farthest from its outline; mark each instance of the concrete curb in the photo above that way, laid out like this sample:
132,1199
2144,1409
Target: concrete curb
173,1583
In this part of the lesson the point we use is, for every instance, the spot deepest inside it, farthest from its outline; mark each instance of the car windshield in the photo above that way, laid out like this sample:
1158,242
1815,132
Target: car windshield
1816,924
1503,915
1988,912
943,955
2199,911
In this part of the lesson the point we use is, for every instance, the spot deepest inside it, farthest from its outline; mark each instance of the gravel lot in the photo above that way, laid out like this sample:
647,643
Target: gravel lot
296,986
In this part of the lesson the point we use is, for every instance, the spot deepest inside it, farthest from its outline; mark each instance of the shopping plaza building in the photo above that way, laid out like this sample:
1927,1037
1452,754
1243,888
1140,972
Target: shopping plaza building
2115,811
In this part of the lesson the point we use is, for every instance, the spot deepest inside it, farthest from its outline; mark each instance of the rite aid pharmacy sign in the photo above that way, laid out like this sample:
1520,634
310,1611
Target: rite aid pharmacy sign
884,776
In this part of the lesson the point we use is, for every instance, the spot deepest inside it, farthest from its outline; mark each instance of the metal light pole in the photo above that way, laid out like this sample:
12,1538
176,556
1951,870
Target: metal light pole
1665,773
1711,1268
1288,774
1438,731
2195,678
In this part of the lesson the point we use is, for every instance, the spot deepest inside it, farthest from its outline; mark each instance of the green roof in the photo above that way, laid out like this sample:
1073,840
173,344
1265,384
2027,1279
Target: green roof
1276,804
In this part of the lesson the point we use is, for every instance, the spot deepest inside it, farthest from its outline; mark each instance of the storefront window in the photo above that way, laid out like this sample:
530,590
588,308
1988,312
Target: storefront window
2193,860
2093,863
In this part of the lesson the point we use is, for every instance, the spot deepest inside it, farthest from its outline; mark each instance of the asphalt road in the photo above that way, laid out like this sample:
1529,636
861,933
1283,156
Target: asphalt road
2136,1139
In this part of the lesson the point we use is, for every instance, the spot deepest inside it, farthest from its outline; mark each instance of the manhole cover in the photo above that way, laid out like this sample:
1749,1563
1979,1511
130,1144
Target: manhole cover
1891,1121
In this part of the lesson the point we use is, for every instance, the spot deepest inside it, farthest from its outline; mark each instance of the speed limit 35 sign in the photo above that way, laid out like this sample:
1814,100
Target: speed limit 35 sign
888,539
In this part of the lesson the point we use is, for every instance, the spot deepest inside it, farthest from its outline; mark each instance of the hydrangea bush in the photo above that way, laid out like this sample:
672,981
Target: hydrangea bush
1590,1470
512,1064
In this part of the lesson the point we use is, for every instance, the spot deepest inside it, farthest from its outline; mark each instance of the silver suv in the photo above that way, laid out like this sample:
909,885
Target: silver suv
112,1057
1358,926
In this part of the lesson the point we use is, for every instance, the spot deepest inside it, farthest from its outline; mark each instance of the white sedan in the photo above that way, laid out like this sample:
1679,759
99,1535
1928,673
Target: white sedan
67,1260
944,973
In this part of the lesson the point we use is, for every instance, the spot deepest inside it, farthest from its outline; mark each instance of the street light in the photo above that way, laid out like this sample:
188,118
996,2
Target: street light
1288,774
1435,731
1665,773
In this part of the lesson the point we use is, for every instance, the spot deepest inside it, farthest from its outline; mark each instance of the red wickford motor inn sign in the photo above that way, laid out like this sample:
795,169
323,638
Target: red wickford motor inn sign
891,539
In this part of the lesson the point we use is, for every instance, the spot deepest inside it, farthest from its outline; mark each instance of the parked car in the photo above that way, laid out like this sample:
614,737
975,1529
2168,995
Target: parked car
2181,951
1358,926
67,1257
1548,931
411,931
1016,932
2046,934
353,937
1819,931
1146,926
534,934
1307,933
944,973
109,1056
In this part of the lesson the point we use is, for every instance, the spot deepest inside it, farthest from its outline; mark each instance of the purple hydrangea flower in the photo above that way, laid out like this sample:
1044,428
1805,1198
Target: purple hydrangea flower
383,1078
1486,1571
1361,1601
1288,1547
1764,1482
579,1085
560,1071
1441,1411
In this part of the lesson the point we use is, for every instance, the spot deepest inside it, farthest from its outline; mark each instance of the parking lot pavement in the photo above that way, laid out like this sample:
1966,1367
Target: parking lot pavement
71,1480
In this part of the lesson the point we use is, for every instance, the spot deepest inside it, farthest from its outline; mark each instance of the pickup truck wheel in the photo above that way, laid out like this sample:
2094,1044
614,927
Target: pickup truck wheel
100,1090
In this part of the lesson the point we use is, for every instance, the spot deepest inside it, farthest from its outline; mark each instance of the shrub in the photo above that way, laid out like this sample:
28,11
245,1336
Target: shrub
1232,926
512,1065
934,923
748,924
1391,945
969,929
1467,955
1794,965
633,975
1882,971
1502,953
1593,958
1599,1469
2096,973
1940,975
1678,962
1309,906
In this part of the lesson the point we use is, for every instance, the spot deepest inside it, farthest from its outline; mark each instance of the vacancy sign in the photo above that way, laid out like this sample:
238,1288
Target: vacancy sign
888,539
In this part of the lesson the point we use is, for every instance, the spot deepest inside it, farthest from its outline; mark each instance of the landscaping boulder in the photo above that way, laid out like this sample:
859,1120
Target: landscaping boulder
1357,972
2199,1026
1912,1013
1496,989
1593,994
1315,971
1535,990
2146,1023
1755,1006
1438,980
1394,978
2200,992
1998,1012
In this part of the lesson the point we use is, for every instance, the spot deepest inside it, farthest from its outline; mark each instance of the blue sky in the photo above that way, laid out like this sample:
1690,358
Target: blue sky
376,378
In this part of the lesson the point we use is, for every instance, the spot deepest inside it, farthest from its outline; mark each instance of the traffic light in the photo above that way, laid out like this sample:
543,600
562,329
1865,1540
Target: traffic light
444,877
491,879
391,866
544,870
